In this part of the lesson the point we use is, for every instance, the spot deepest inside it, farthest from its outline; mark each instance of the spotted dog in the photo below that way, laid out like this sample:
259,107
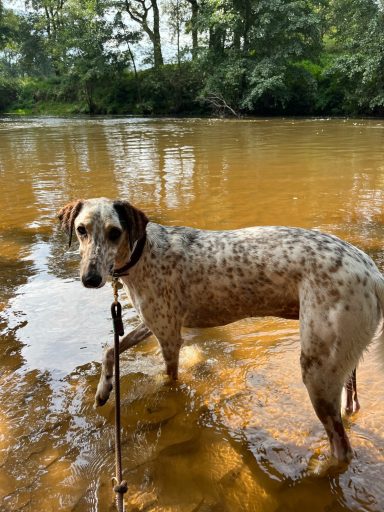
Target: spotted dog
181,277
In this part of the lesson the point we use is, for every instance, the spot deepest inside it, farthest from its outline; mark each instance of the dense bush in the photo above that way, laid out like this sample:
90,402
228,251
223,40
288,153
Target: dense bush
8,93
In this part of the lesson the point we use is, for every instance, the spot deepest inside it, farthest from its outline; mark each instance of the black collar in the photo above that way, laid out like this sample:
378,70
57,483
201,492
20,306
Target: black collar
135,256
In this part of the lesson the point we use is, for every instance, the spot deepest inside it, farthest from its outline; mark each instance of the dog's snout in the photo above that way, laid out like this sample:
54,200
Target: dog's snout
92,280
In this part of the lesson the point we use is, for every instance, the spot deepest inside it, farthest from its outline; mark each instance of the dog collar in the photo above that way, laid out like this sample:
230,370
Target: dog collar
135,256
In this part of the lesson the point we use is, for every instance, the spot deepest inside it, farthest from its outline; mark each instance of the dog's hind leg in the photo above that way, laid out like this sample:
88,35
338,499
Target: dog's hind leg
324,387
350,401
104,387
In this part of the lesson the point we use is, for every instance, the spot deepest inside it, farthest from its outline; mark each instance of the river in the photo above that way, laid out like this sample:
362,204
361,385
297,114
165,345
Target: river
237,433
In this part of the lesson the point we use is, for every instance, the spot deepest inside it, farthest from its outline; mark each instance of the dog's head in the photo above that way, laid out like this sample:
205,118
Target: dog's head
107,231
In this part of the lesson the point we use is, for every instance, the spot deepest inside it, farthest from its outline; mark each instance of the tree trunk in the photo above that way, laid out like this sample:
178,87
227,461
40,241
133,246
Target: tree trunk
236,39
88,87
157,53
153,33
178,35
216,39
194,31
247,24
137,80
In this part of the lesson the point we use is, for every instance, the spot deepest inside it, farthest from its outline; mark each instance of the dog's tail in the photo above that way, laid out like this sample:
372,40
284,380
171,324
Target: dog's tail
379,287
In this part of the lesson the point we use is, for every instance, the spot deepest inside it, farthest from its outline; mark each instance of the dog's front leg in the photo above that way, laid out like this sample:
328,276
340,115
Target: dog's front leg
104,387
170,347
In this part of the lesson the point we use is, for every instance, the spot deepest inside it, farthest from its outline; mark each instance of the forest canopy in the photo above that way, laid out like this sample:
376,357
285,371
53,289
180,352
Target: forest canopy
228,57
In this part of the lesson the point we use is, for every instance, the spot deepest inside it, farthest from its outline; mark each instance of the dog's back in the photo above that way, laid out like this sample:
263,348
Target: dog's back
222,276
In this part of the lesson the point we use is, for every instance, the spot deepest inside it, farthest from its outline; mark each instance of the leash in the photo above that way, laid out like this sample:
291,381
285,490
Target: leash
121,486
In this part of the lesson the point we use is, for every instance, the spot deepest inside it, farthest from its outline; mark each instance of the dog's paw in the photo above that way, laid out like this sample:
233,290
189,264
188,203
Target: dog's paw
350,409
103,391
327,466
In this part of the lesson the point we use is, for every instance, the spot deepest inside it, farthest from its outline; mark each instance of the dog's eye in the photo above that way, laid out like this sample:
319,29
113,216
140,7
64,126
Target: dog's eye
81,230
114,234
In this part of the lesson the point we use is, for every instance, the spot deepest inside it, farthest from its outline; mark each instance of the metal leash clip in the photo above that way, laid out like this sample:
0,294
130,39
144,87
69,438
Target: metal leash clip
118,326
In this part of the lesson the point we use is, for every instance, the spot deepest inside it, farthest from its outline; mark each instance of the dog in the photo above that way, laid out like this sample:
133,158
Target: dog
182,277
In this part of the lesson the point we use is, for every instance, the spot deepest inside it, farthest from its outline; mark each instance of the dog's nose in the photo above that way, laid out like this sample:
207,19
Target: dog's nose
91,280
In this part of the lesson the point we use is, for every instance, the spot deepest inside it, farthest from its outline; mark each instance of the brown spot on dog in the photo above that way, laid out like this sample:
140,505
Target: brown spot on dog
336,265
307,362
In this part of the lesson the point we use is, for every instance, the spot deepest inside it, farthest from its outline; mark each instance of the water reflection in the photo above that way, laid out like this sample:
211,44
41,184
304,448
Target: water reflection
238,431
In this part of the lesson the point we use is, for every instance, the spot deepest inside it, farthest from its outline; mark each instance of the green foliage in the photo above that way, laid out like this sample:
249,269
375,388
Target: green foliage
35,95
250,57
360,65
224,87
8,93
257,72
171,91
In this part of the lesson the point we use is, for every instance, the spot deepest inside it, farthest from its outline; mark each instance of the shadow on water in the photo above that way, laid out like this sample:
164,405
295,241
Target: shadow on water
238,431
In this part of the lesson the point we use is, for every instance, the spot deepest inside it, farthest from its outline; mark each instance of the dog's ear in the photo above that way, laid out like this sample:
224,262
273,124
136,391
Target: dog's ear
132,219
67,216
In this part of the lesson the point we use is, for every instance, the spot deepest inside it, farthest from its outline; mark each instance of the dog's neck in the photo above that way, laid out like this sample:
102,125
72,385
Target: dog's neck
136,253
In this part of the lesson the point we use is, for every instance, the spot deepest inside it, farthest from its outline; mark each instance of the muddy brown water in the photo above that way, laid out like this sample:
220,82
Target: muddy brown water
237,432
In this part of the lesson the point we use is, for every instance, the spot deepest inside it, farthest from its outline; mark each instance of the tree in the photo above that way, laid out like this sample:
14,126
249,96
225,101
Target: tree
282,34
139,11
124,36
49,20
8,30
2,36
359,67
255,48
8,26
177,17
89,56
193,26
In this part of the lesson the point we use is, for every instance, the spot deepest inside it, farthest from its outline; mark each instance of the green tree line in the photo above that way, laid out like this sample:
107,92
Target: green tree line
230,57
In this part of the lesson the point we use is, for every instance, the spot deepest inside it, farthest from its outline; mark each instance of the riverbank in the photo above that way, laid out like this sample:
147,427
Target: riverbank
174,90
177,91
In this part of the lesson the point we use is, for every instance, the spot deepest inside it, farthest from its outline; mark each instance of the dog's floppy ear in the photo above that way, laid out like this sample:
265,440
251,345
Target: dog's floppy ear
132,219
67,216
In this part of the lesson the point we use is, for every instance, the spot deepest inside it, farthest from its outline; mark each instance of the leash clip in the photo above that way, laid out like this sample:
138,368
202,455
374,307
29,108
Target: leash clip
116,285
118,326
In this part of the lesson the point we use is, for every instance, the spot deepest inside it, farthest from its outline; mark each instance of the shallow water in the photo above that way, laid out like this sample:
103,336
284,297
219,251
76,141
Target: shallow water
238,431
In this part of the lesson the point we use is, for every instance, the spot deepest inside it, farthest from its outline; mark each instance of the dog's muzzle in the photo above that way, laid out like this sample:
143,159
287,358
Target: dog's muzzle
92,280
